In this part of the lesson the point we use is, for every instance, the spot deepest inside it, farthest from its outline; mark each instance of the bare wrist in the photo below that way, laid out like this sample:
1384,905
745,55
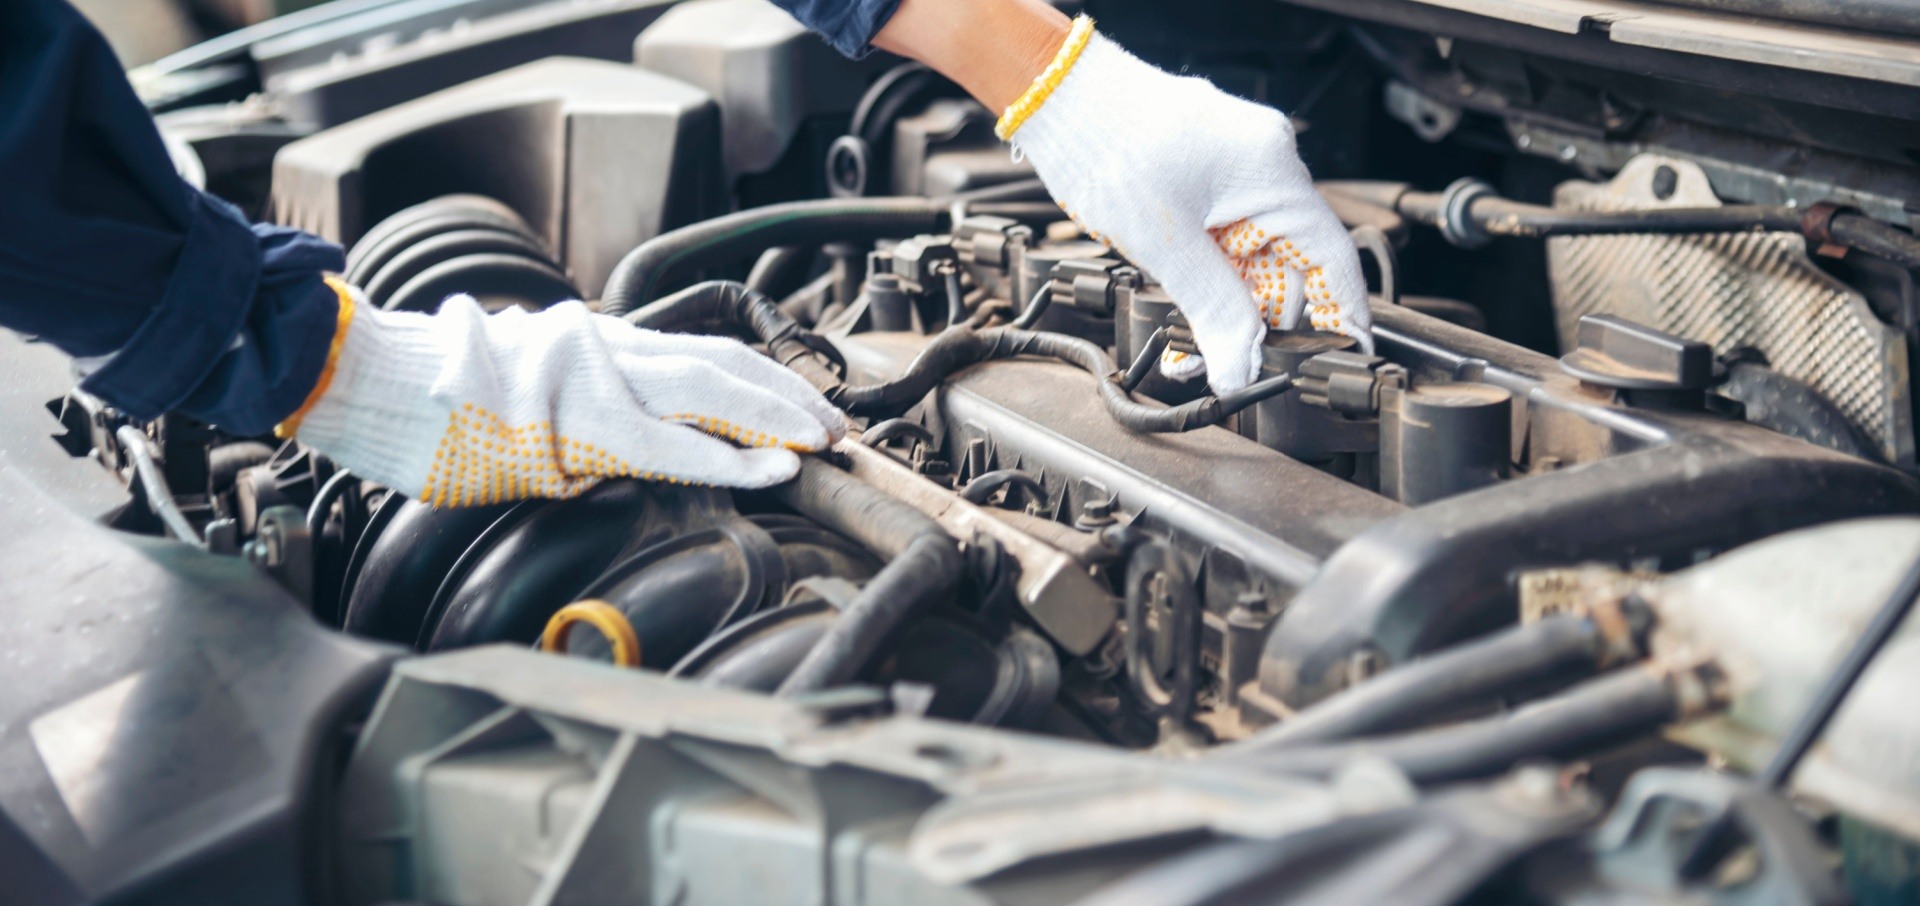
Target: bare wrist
992,48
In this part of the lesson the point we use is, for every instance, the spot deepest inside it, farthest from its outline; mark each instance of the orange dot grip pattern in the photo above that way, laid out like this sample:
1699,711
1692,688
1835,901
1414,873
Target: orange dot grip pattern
1266,262
482,459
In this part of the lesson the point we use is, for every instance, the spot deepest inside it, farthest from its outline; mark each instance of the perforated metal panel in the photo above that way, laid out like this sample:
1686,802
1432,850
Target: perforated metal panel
1732,290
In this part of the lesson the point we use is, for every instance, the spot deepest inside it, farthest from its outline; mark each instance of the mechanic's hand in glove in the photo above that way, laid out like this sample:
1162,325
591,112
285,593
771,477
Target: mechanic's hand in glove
463,408
1203,190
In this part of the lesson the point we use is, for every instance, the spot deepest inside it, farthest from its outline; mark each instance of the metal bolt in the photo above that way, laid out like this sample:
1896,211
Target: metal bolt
1248,605
1096,513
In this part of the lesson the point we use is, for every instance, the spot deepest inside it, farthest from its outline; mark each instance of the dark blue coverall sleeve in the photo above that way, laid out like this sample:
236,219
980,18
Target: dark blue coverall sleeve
848,25
104,251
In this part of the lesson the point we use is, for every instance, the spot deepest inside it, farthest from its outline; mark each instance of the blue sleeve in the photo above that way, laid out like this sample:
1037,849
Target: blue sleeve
104,251
848,25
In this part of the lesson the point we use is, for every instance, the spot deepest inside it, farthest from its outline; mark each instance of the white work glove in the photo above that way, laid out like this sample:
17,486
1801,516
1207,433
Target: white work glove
1204,191
462,408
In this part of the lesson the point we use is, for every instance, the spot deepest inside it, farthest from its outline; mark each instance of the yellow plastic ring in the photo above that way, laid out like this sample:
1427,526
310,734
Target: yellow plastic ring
600,615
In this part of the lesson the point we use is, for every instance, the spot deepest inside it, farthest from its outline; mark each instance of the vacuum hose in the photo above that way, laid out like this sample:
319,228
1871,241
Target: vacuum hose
1592,716
1556,649
638,275
644,270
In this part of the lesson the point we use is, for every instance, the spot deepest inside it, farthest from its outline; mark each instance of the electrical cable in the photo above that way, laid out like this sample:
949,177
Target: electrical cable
981,490
140,451
1036,306
956,300
950,351
324,499
1149,356
1469,212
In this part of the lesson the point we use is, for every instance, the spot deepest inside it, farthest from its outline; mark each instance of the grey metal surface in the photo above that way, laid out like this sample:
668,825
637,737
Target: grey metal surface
1734,290
766,71
34,375
164,716
1777,615
355,65
1277,517
1790,45
1060,594
1739,167
497,776
596,156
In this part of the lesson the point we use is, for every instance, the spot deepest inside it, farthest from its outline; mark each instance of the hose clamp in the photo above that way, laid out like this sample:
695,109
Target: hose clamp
1456,225
1817,225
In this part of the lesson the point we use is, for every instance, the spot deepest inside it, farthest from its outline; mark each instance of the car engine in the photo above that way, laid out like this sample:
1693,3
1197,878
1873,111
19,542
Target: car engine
1584,585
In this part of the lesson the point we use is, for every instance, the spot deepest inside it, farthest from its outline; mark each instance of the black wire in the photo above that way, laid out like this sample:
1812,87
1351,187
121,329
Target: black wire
324,500
1813,721
1144,362
1036,306
956,300
981,489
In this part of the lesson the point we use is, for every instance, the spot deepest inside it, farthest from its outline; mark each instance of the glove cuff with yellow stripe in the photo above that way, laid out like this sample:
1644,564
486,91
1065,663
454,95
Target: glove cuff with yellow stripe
1204,191
463,408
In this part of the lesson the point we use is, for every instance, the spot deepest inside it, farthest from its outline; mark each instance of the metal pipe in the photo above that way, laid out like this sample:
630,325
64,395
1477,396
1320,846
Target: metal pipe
145,458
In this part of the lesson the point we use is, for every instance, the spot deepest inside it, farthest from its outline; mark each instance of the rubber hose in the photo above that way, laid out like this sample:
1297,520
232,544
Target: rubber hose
1181,623
524,279
413,260
923,564
1589,717
1566,648
774,269
409,226
640,274
324,499
871,122
981,490
1876,238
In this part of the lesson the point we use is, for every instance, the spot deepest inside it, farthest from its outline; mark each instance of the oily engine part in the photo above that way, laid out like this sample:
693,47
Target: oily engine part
1744,290
1451,621
1359,581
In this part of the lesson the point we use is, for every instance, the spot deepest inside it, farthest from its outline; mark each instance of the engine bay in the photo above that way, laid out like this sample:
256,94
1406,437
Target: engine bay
1556,595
